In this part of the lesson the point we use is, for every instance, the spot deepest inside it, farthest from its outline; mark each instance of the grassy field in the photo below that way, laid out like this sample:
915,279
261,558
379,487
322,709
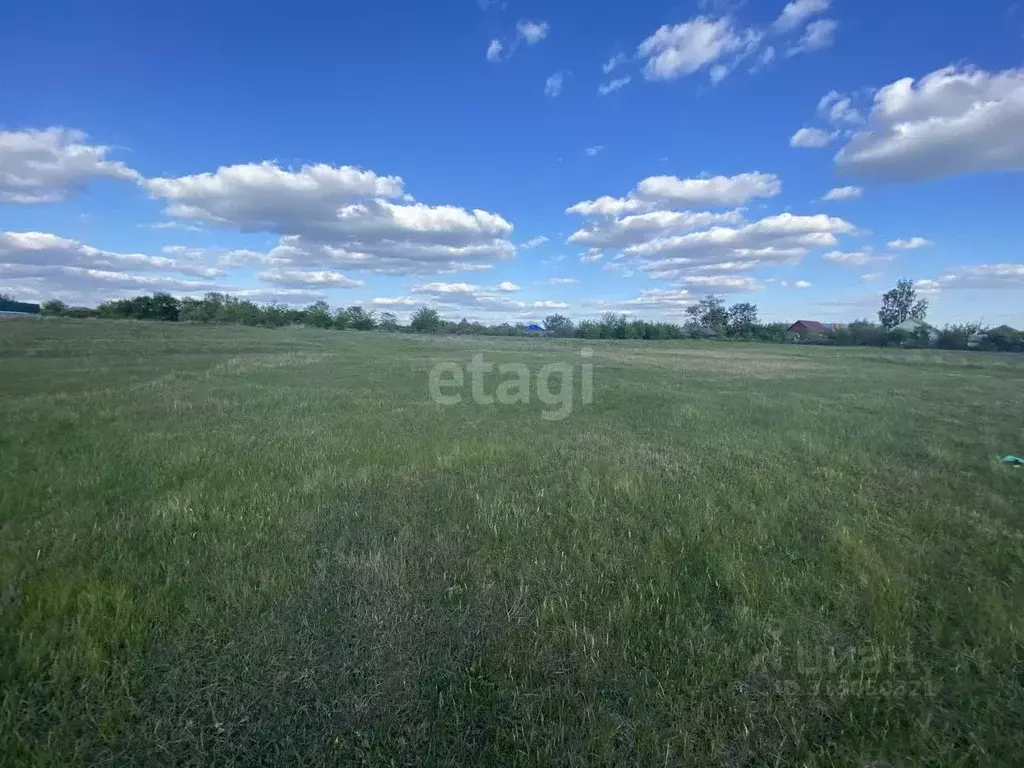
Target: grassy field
243,546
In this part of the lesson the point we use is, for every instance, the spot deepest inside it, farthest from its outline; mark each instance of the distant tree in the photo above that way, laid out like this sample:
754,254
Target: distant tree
709,313
6,297
558,325
360,319
318,314
742,319
54,308
425,320
388,321
901,303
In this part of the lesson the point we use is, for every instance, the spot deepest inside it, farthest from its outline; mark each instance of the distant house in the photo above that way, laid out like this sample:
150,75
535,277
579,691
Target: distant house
801,327
912,326
10,308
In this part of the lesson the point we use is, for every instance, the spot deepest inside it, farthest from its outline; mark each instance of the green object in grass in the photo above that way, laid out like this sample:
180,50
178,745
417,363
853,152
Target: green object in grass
1015,460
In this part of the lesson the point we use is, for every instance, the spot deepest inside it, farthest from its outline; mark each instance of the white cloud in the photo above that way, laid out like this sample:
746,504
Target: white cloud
802,284
330,217
48,166
300,278
532,31
910,244
843,193
613,85
766,58
395,301
533,242
869,277
173,225
45,249
855,258
563,281
811,138
447,288
952,121
630,230
838,108
674,51
670,302
494,50
779,235
715,191
468,299
818,36
591,151
592,255
982,276
674,244
615,61
553,85
796,12
610,206
719,283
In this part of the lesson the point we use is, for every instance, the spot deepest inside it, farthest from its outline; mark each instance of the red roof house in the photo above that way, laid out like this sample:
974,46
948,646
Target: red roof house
808,326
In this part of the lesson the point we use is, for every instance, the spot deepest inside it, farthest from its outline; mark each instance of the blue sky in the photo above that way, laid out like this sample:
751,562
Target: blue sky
506,160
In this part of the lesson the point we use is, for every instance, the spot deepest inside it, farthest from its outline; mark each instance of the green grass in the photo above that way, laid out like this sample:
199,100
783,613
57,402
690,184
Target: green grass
241,546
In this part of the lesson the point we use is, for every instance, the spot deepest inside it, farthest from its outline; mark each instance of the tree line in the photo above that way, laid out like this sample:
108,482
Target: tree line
709,318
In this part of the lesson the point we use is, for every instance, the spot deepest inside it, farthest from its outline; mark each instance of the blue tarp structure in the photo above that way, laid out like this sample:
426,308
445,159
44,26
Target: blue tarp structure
534,328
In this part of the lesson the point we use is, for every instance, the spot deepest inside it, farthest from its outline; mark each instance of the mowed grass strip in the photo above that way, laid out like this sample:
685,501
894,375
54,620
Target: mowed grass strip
241,546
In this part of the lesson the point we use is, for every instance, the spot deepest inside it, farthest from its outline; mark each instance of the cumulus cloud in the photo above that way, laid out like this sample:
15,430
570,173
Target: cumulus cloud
48,166
796,12
553,85
855,258
801,284
811,138
682,49
629,230
592,151
533,242
669,302
653,235
548,304
714,191
719,283
298,278
772,236
592,255
843,193
838,108
563,281
468,299
45,249
330,217
952,121
532,31
613,85
909,244
494,50
818,36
